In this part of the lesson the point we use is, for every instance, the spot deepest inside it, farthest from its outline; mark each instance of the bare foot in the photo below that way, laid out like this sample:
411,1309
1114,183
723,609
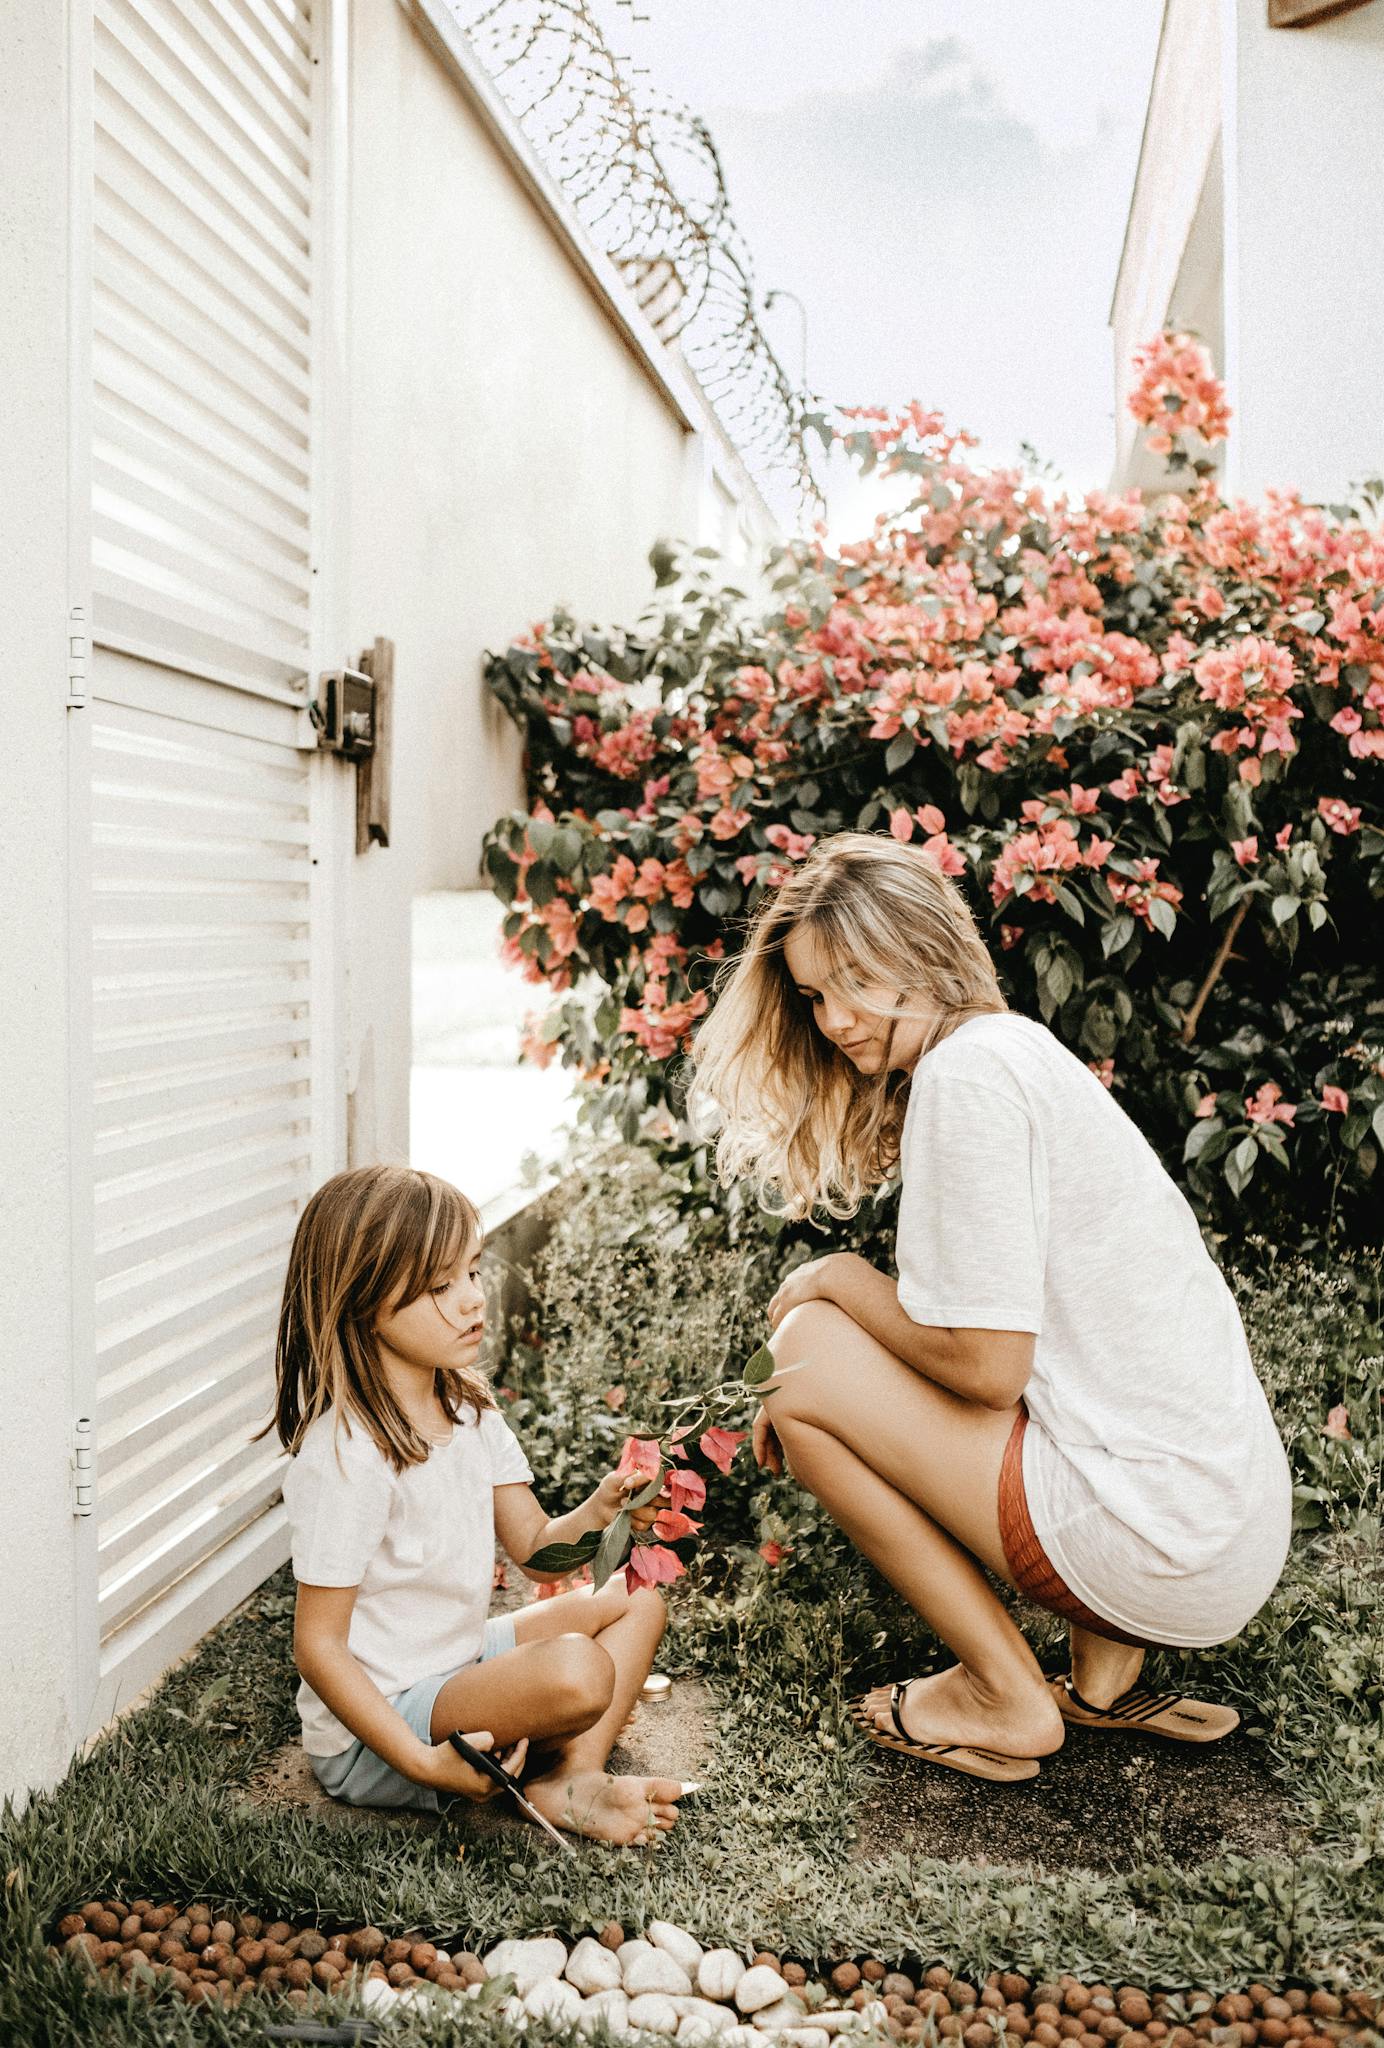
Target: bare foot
623,1810
950,1707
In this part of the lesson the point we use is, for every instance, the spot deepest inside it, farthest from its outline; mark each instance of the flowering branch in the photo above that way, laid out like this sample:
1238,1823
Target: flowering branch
662,1461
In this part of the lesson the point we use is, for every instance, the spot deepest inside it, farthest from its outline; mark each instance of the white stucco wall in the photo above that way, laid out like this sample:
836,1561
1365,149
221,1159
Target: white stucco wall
510,451
1258,219
1174,181
37,1534
1304,254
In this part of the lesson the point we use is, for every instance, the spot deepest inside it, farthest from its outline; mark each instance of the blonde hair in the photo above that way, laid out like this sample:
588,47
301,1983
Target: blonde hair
794,1113
368,1242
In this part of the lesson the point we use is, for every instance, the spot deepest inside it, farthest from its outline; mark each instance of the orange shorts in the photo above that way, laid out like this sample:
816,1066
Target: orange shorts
1033,1572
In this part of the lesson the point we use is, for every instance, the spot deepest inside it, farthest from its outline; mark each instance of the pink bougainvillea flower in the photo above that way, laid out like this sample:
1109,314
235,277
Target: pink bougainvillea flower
1127,785
1347,720
1246,851
774,1553
901,824
1010,935
1339,815
614,1398
640,1454
651,1565
1281,837
671,1525
719,1446
1104,1071
1337,1423
1335,1098
1266,1106
686,1489
1206,1105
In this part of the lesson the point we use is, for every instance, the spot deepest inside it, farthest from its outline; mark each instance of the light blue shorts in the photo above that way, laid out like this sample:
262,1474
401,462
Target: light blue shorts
361,1778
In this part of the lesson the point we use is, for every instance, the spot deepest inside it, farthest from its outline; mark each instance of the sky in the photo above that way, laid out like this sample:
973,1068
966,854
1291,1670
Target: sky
944,183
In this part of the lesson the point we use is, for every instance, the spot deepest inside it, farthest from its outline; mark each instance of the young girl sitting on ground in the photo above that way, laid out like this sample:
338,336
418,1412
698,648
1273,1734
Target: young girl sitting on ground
402,1474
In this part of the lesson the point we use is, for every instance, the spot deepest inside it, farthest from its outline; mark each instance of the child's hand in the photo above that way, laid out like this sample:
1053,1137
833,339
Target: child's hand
449,1772
616,1491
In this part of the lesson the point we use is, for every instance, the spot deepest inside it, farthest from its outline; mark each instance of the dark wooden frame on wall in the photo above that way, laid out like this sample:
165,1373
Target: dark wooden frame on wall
1303,13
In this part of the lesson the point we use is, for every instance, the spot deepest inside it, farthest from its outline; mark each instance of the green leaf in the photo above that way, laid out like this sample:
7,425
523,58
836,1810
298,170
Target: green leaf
1162,916
1116,933
1068,900
1239,1168
612,1548
900,752
1282,908
556,1560
760,1368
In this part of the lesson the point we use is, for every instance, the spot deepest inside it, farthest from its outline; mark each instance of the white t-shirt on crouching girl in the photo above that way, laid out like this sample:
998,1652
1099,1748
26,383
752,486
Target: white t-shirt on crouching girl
1156,1479
420,1544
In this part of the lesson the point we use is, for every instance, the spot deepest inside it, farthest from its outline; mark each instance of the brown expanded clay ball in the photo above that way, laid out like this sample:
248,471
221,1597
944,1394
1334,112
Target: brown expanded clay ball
366,1945
899,1985
767,1960
873,1971
980,2034
395,1951
469,1968
844,1978
612,1935
421,1957
794,1976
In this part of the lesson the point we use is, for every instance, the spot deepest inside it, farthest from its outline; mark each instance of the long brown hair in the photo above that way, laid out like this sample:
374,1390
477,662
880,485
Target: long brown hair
794,1113
368,1242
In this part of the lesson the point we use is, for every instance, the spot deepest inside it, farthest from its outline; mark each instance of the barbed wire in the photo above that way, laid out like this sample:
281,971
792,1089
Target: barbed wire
644,178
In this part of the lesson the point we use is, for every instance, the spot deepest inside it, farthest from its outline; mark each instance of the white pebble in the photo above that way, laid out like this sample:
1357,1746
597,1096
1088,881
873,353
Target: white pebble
527,1961
717,2017
743,2037
839,2022
655,2012
806,2037
676,1942
593,1968
758,1987
787,2011
377,1996
718,1973
550,1998
629,1949
656,1971
605,2008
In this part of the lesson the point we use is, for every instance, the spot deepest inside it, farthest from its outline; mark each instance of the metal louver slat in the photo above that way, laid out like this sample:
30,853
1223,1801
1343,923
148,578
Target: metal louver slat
216,1502
202,337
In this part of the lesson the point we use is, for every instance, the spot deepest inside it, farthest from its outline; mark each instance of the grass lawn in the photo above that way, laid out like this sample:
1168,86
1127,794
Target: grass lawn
785,1849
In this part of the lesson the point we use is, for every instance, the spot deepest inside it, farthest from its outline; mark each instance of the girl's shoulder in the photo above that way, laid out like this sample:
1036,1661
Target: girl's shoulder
341,1439
994,1049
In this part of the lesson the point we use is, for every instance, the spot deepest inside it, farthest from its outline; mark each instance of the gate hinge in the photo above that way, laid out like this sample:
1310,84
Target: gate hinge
76,656
83,1466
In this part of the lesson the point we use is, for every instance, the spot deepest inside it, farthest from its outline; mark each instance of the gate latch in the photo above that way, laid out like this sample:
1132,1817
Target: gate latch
353,717
344,713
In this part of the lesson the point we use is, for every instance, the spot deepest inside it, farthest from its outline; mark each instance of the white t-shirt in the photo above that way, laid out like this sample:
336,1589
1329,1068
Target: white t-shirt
1156,1479
420,1544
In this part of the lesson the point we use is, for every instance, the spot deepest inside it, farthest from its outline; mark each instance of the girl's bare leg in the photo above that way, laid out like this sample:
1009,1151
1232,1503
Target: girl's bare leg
572,1692
1102,1670
910,1472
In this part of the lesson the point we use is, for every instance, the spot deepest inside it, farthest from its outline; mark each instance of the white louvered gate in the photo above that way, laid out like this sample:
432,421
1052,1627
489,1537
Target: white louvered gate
210,816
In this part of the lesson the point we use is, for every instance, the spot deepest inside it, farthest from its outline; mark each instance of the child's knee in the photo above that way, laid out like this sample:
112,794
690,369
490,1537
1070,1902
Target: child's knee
581,1679
648,1604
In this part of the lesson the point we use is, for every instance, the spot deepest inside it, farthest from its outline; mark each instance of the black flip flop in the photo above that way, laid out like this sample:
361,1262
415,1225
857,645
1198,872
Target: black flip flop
954,1756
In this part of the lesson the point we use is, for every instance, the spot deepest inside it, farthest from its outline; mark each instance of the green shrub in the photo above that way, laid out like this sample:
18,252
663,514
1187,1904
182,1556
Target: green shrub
1145,736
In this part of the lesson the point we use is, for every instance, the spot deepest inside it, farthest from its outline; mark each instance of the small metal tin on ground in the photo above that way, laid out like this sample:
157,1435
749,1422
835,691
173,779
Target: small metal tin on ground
657,1686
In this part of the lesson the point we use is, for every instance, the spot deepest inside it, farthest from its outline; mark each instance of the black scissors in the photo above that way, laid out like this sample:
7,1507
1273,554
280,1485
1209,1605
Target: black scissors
481,1761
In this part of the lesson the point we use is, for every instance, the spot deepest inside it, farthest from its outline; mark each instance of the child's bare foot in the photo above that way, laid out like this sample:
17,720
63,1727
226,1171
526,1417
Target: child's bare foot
606,1809
949,1707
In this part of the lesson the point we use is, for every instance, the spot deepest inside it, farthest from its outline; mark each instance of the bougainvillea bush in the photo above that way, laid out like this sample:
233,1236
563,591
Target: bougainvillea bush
1145,735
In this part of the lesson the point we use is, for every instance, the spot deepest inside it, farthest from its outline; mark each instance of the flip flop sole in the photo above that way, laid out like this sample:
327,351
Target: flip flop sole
989,1764
1141,1711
